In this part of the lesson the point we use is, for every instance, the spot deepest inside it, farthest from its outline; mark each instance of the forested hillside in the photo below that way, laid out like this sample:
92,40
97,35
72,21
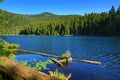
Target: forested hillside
100,24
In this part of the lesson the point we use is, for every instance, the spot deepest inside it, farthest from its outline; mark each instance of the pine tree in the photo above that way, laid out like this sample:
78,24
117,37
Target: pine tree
112,10
118,10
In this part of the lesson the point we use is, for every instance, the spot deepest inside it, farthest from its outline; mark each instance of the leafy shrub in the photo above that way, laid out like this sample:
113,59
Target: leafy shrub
6,48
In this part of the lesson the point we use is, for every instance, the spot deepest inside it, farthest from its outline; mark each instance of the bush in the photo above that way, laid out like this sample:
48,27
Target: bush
6,48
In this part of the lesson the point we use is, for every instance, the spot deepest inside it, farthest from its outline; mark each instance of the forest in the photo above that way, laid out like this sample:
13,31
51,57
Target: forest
93,24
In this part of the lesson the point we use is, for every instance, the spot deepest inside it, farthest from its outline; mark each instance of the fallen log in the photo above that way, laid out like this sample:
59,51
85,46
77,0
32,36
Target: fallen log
20,72
54,56
43,54
88,61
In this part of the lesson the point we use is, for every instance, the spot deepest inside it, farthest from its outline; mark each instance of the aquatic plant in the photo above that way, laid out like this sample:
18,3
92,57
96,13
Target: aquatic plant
6,48
40,65
24,63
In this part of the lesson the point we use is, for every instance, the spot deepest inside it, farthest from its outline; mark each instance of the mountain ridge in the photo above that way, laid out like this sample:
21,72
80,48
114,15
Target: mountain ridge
42,14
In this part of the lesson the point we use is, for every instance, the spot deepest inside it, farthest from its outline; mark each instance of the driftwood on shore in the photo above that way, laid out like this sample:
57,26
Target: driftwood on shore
20,72
54,56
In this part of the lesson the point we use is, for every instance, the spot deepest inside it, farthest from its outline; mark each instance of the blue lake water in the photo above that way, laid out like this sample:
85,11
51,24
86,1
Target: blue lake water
103,49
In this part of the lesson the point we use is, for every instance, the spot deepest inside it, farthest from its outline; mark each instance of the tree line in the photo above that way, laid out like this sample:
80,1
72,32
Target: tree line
98,24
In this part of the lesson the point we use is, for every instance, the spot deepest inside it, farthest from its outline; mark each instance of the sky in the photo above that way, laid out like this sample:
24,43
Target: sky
59,7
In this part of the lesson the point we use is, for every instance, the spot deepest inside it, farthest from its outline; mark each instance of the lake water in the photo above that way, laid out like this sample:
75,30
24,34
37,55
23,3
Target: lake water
103,49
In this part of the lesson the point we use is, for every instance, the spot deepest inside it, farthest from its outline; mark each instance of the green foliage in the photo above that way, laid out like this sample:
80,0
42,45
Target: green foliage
6,48
59,76
24,63
40,65
112,10
118,10
104,24
3,21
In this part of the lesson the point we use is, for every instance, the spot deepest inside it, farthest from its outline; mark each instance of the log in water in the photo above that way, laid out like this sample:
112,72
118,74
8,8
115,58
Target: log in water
88,61
54,56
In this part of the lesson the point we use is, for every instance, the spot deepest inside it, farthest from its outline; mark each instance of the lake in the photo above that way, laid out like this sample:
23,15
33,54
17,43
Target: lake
103,49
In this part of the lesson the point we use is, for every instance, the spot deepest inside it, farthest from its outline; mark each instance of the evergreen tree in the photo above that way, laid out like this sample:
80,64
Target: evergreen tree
118,10
112,11
90,24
